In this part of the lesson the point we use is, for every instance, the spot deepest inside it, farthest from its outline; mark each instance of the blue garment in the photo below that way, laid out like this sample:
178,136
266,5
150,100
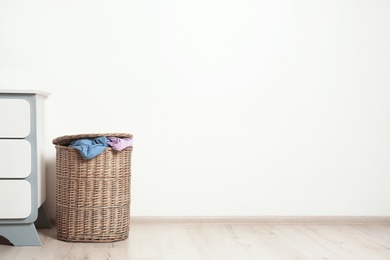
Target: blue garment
90,148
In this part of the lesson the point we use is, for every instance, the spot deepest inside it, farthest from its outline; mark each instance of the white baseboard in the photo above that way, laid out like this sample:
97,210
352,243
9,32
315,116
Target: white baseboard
245,220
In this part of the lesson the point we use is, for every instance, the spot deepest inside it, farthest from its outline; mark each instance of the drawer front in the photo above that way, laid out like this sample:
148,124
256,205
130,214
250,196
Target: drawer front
15,159
14,118
15,199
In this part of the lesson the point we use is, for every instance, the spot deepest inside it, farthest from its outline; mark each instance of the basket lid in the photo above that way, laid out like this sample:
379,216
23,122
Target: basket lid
67,139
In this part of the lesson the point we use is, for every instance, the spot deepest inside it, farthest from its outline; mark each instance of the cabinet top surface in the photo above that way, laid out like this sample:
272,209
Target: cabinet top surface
27,91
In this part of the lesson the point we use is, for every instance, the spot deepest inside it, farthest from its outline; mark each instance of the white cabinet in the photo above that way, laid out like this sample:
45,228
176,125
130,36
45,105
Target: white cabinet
22,166
15,159
19,189
14,118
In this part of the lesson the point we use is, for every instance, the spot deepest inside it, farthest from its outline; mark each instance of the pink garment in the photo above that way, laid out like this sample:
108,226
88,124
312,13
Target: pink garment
119,144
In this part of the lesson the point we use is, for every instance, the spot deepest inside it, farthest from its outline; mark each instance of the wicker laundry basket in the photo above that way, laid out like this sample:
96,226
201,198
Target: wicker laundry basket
92,196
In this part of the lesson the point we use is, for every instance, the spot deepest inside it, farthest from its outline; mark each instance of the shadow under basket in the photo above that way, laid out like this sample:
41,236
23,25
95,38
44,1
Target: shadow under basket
92,196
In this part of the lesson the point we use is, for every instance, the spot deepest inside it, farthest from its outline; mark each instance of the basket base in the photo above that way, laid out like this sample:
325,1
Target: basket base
91,240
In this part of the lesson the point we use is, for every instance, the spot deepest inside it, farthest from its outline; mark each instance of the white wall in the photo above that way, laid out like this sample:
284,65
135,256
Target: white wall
237,107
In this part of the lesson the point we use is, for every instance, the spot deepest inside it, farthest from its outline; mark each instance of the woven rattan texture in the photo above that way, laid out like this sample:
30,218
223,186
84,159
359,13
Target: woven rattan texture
93,196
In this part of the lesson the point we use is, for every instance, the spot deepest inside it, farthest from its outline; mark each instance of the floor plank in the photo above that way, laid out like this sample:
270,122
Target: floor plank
262,241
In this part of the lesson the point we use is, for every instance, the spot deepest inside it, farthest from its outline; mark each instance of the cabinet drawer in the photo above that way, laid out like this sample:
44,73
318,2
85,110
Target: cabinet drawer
15,159
15,199
14,118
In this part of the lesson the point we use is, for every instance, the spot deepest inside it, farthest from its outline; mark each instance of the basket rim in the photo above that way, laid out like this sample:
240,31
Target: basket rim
66,139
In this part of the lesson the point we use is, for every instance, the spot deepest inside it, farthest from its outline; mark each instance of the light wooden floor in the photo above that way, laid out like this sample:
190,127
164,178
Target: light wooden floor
265,241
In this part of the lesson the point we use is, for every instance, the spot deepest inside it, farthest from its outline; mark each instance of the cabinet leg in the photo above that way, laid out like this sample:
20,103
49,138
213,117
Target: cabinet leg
21,234
43,220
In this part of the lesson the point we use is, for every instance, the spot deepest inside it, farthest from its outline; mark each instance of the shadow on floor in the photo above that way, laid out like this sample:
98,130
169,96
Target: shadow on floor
4,241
